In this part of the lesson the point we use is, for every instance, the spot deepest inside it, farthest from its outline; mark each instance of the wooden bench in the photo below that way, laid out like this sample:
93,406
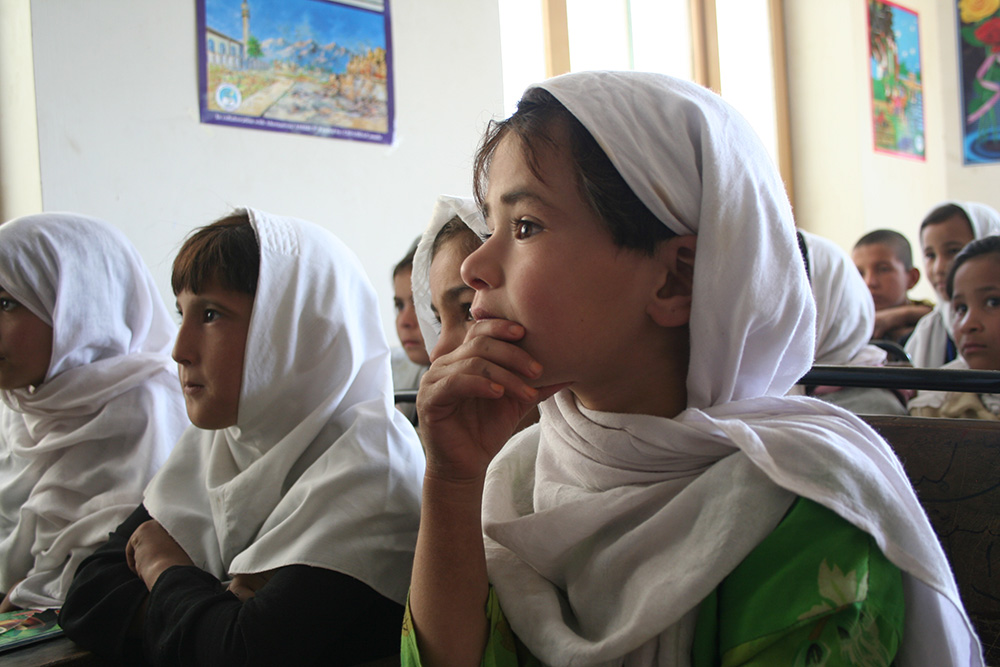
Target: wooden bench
954,465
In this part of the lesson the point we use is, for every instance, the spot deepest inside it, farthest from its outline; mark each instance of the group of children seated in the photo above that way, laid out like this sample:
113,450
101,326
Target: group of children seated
958,332
610,468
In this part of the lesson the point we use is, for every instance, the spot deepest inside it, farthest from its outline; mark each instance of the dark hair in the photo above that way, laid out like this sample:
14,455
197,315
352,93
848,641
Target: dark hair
406,264
977,248
944,213
458,230
630,223
897,243
225,251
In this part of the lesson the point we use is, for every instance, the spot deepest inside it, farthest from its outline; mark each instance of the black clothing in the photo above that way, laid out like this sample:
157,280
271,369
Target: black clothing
304,615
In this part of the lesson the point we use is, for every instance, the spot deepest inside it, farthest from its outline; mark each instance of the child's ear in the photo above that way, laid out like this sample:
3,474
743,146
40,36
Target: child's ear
912,278
670,306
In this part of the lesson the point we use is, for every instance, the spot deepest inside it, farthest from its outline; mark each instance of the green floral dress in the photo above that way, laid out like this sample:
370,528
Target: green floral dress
817,591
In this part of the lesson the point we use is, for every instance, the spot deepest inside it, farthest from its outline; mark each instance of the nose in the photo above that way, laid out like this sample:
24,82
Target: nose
969,322
870,279
451,338
481,269
183,351
407,318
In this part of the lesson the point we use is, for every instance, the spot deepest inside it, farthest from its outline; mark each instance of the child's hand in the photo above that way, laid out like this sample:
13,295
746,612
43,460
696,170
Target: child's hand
151,550
471,400
245,586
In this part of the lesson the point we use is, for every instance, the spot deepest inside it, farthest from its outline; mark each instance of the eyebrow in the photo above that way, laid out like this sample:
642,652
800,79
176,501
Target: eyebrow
511,198
454,293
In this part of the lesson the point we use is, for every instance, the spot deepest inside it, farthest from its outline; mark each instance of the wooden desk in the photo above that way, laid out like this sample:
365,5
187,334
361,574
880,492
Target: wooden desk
60,651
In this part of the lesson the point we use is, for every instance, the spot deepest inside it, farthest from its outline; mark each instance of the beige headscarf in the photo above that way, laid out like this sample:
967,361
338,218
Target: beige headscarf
77,451
605,531
320,468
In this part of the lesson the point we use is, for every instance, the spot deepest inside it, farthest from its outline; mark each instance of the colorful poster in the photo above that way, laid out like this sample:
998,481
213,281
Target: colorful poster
979,72
305,66
897,83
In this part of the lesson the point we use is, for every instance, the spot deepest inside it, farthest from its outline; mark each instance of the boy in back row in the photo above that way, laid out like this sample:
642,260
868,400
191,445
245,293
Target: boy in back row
885,261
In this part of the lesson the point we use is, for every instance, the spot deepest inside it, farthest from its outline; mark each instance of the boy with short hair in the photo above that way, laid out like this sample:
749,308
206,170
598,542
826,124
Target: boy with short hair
885,261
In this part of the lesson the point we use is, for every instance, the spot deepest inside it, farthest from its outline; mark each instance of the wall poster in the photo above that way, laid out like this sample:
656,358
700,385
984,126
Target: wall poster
306,66
979,74
896,79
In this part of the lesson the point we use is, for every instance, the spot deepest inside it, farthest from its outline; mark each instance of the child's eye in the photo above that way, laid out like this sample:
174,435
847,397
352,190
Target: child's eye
8,304
993,301
525,229
467,311
959,309
929,256
398,305
210,315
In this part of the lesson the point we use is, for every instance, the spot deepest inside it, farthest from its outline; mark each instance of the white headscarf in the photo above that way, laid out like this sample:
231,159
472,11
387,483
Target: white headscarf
445,208
845,312
605,531
926,345
77,451
320,468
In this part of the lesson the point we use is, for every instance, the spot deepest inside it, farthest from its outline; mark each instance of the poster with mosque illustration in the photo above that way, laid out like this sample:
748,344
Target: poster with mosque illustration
979,74
896,80
305,66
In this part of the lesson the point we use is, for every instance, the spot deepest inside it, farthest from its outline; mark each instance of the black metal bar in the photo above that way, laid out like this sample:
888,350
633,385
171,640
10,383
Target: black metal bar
891,377
888,377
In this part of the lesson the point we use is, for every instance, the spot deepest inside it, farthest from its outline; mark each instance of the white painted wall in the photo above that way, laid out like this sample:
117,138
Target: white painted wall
843,188
20,185
119,136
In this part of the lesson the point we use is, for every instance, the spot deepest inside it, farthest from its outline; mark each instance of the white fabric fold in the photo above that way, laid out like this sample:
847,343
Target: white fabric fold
929,340
320,468
77,451
603,531
845,312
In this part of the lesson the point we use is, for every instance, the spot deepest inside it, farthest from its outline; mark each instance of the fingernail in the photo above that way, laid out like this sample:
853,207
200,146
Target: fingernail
497,389
516,329
531,392
535,368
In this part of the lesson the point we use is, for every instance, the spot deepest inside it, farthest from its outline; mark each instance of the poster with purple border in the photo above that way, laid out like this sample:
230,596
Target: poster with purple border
896,80
979,73
305,66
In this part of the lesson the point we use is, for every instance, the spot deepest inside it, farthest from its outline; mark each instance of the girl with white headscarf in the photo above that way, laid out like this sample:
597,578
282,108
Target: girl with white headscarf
308,504
77,449
845,317
663,527
931,345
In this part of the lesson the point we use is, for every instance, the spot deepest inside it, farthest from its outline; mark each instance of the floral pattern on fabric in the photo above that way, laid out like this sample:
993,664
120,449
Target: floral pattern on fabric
817,592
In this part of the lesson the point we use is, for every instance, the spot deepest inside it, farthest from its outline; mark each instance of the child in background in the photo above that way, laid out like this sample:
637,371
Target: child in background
91,403
973,287
443,301
410,361
885,261
844,317
672,506
943,233
281,529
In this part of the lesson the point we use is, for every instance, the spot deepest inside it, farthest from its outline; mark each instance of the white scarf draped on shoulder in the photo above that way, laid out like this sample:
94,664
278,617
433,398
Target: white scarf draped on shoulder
320,468
605,531
929,340
77,451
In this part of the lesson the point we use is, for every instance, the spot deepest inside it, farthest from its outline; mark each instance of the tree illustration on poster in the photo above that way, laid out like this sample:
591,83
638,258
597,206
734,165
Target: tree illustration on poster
305,66
979,72
896,80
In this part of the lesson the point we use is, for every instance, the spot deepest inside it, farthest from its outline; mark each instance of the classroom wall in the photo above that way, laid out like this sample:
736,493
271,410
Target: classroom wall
843,188
119,135
20,182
